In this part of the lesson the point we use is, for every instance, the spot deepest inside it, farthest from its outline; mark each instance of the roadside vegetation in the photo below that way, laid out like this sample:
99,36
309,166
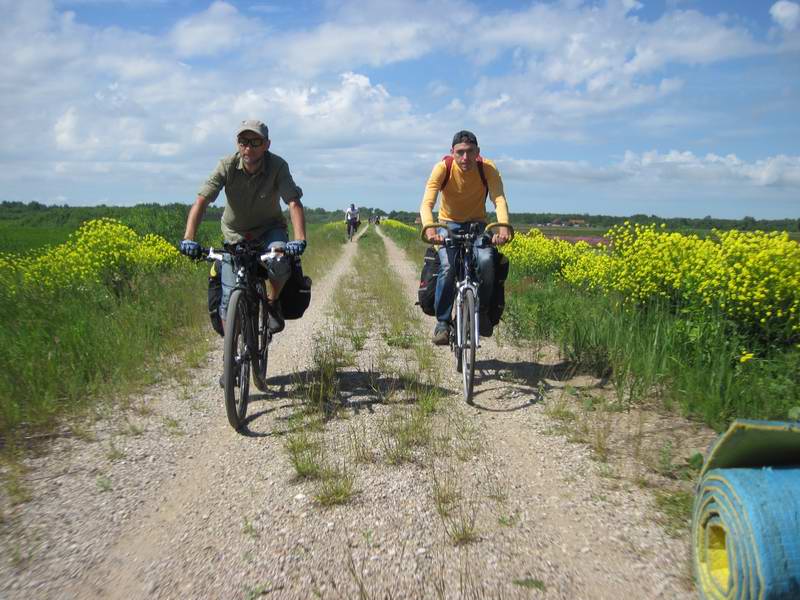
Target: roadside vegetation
711,326
103,313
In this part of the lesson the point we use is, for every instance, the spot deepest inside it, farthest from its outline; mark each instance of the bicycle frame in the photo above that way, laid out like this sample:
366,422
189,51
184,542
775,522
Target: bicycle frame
465,280
247,334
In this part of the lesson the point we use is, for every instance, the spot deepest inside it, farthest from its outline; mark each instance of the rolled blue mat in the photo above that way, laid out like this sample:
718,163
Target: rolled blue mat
746,533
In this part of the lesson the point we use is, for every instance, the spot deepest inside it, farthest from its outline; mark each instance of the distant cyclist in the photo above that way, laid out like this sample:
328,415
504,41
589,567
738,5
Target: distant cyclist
254,180
465,179
351,220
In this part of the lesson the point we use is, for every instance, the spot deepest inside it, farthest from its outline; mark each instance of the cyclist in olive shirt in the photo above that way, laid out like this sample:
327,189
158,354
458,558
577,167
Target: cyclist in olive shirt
254,180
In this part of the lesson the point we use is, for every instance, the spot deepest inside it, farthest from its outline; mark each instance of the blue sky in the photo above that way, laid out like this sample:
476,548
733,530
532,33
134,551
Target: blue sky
666,107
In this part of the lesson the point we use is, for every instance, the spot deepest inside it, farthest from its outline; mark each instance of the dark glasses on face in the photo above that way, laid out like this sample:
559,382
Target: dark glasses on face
253,142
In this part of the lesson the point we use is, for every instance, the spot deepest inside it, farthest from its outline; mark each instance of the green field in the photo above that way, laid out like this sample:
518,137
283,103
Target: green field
16,238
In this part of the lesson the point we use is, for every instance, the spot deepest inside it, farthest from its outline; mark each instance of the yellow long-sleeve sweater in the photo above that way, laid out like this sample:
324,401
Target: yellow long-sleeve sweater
463,197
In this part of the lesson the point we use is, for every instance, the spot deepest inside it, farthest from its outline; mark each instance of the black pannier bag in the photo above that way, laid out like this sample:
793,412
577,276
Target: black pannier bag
498,301
215,296
296,294
426,294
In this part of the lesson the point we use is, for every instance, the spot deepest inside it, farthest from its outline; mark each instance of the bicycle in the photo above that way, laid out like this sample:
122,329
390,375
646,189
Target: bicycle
247,335
352,227
464,335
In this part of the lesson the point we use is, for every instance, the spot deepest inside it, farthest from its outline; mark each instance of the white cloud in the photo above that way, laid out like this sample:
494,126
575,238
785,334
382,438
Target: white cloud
786,14
219,29
342,46
675,166
672,169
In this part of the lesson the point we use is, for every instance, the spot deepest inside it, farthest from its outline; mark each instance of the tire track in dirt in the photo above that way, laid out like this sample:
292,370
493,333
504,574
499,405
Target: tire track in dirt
175,540
600,530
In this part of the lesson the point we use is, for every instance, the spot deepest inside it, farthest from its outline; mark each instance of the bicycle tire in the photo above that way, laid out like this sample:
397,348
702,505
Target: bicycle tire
469,343
261,356
236,370
457,350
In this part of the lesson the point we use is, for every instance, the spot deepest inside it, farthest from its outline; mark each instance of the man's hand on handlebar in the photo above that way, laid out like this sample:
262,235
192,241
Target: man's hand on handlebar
190,248
433,236
501,235
295,248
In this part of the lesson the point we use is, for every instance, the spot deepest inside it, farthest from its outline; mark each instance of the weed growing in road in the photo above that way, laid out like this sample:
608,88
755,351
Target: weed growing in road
446,490
337,485
132,429
509,520
103,483
530,583
395,448
114,453
459,523
676,508
320,386
173,426
259,590
143,409
359,444
248,529
82,431
14,480
306,454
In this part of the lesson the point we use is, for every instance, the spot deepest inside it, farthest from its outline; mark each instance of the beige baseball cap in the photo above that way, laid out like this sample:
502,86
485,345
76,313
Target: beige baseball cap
255,126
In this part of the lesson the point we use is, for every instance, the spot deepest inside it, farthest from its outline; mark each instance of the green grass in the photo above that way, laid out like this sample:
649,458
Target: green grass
16,238
64,354
676,510
654,354
324,245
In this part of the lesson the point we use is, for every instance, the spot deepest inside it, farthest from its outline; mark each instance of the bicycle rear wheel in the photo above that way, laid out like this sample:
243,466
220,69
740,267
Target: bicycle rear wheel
468,342
261,356
236,370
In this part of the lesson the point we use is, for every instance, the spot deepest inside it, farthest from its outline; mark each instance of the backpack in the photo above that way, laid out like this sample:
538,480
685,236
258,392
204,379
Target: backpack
426,294
448,163
296,294
215,296
498,302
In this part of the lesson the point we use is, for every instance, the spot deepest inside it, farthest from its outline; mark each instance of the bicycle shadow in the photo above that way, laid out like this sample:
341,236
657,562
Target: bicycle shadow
354,391
529,380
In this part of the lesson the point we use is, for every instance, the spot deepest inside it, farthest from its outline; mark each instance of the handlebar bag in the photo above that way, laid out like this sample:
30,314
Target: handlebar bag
296,294
426,294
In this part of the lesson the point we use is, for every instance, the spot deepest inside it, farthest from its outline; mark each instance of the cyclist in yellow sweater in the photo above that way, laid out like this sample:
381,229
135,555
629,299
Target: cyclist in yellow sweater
465,179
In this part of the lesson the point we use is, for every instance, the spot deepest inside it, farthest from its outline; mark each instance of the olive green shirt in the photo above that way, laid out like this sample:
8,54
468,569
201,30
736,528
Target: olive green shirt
253,201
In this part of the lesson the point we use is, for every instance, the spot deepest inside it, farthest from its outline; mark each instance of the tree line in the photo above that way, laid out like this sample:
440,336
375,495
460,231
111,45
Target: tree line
168,220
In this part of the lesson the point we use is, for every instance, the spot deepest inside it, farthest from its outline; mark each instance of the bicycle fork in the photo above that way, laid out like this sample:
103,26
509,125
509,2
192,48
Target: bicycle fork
460,287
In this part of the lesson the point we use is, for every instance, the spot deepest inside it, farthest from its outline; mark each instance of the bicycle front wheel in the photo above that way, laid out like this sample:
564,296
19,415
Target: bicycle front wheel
468,342
261,357
236,370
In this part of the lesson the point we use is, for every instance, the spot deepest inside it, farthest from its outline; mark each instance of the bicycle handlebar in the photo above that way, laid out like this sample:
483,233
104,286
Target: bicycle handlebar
463,236
209,254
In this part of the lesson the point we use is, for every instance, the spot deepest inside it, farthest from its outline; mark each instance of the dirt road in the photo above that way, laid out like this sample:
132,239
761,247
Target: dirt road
164,500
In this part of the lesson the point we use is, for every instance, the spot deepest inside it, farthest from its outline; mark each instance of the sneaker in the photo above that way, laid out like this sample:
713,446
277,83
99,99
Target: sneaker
485,327
441,334
275,321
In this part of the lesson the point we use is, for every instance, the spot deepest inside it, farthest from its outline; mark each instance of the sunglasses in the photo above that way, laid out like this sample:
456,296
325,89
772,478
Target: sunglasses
253,142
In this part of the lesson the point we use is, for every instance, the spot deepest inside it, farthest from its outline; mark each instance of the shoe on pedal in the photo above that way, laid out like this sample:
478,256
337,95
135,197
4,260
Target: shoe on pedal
275,321
441,334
